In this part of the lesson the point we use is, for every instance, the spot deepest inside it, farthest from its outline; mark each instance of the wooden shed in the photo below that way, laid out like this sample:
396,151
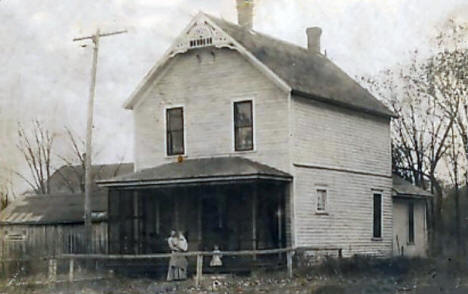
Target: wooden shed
44,226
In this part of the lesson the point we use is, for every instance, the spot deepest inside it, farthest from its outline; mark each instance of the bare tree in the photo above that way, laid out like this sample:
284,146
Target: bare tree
6,194
74,161
421,133
36,148
449,79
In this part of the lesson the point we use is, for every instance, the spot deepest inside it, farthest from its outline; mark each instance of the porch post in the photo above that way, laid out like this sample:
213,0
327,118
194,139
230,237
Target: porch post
157,216
136,230
254,219
176,213
280,221
199,219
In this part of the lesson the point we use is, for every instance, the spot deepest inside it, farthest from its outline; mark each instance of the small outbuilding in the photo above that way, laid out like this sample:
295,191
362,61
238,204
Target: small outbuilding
52,224
409,218
39,226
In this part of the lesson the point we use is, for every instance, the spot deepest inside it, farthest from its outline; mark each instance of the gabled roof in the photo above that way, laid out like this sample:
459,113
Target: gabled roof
51,209
199,170
69,178
403,188
307,73
300,71
64,205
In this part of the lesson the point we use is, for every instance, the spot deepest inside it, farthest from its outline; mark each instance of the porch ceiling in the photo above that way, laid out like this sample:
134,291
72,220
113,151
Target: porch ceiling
198,171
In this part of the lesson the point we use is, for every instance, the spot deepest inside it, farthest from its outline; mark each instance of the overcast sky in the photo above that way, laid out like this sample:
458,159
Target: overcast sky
46,76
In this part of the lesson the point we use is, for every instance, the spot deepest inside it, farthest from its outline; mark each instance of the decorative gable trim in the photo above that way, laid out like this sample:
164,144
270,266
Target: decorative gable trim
201,32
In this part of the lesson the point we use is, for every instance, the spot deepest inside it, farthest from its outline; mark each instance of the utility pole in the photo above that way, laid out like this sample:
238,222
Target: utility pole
89,136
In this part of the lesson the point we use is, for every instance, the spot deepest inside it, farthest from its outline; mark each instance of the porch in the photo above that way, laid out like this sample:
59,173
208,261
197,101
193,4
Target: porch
234,203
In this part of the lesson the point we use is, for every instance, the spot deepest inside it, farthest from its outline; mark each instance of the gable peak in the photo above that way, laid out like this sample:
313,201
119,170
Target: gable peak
201,32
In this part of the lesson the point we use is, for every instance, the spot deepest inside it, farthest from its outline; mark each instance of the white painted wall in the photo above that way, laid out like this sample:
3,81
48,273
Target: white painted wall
349,153
206,86
400,228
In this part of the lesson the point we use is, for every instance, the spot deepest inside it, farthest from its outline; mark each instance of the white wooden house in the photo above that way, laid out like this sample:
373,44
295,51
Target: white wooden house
246,141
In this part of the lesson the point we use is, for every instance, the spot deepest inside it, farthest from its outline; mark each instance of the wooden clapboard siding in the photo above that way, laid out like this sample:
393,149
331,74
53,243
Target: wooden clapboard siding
330,136
349,154
317,143
206,86
349,222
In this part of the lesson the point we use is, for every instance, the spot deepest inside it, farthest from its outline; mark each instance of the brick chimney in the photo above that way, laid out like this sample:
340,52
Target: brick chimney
245,13
313,39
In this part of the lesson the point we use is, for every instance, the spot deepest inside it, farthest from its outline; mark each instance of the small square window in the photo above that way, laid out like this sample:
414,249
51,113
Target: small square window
321,200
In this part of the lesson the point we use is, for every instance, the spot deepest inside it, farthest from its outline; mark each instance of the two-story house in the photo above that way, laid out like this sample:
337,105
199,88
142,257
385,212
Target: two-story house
248,142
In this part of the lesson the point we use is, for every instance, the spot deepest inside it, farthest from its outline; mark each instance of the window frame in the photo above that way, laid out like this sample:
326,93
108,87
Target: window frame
374,236
233,126
325,210
184,130
411,231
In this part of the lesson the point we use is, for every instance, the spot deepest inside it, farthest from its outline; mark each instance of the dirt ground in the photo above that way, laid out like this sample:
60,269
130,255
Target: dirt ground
358,276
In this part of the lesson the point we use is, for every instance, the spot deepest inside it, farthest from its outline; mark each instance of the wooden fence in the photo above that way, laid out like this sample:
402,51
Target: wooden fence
198,254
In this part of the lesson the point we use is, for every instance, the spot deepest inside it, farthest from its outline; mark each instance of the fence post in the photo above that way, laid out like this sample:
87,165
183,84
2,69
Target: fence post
199,270
289,255
52,270
6,269
340,253
71,270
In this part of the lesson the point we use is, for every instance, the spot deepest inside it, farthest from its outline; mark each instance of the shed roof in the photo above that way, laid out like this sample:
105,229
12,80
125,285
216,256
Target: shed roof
51,209
199,170
403,188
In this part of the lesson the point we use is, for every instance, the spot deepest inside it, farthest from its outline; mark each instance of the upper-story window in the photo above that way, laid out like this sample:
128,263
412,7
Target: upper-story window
175,131
243,126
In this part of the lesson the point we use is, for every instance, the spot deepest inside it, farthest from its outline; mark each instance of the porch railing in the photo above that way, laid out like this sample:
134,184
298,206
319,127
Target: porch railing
289,251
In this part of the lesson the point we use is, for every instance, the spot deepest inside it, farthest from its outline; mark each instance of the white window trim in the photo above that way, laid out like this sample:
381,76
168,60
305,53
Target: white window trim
380,192
254,121
327,193
184,117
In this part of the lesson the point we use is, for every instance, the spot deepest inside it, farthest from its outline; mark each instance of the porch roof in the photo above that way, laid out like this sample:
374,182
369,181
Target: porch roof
198,171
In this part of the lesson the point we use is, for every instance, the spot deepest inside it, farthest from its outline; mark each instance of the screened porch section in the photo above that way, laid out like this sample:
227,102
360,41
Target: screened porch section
241,216
234,203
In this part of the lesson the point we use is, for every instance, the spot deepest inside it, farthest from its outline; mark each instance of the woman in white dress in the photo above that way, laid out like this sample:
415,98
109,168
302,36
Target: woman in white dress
177,264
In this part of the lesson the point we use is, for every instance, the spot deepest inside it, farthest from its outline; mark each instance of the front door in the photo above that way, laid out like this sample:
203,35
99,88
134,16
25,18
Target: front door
213,222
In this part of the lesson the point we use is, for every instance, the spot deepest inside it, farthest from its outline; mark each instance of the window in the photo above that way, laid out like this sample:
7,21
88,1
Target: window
321,200
175,131
377,216
411,222
243,126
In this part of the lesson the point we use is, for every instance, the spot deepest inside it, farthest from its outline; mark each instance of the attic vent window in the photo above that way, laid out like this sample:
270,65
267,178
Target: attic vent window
201,42
201,34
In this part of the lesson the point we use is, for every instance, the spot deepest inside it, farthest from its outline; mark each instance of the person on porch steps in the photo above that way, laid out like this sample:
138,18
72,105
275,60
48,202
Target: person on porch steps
177,264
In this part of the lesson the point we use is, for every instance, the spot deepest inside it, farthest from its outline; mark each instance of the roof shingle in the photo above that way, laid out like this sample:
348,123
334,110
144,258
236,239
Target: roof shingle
309,74
197,169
